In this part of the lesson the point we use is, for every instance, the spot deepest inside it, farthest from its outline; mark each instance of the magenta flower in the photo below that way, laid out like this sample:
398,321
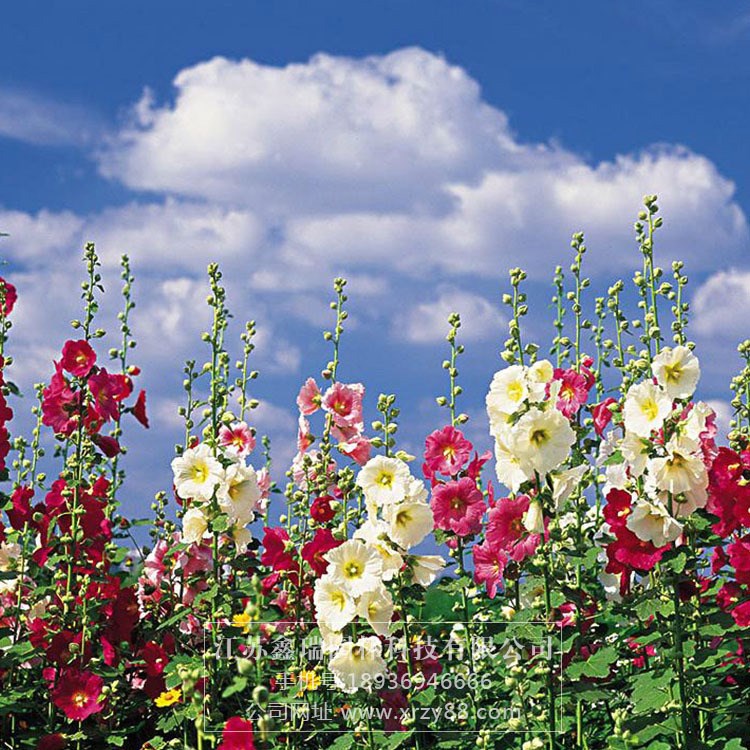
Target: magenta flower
602,414
238,438
505,529
458,506
446,451
489,566
573,393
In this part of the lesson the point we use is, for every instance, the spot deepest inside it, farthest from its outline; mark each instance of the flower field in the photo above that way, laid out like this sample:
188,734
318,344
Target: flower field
580,579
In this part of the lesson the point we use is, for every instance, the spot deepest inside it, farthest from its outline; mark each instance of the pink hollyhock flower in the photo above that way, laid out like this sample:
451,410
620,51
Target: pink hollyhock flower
573,393
446,451
347,433
237,735
238,439
78,358
11,296
309,398
77,694
602,414
304,436
458,506
505,529
344,403
739,558
321,510
313,552
358,449
475,467
489,566
139,410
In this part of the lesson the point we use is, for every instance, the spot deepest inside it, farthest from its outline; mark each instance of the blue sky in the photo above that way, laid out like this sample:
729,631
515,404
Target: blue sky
419,148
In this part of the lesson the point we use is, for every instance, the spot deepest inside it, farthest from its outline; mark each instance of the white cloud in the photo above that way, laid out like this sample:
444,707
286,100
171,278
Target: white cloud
721,305
426,323
28,117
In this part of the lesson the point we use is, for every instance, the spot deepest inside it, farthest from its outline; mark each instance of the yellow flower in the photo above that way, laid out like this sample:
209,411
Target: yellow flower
309,680
242,621
168,698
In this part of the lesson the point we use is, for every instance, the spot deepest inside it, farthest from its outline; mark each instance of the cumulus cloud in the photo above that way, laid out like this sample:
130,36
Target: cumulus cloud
426,323
721,305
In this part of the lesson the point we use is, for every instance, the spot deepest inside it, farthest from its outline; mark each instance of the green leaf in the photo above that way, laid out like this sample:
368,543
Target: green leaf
344,742
597,665
239,684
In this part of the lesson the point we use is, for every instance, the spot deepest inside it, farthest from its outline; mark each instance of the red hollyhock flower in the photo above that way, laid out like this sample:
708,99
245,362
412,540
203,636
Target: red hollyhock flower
78,358
729,491
313,551
156,658
11,296
489,566
51,742
602,414
107,445
458,506
237,735
107,391
77,694
139,410
739,559
505,529
395,705
446,451
21,512
321,509
60,405
276,555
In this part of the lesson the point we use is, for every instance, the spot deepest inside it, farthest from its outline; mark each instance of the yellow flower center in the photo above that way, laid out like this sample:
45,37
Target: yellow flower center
353,569
650,409
515,390
80,699
385,479
199,472
338,600
539,437
673,372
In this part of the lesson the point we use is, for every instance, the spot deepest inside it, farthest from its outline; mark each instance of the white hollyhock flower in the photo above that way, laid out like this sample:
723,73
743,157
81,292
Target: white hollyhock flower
416,491
377,608
564,482
651,522
696,422
425,568
375,534
241,538
197,473
356,665
533,519
541,440
646,407
356,566
507,464
384,480
634,450
409,523
194,526
331,639
538,375
677,371
508,390
611,584
239,496
334,606
9,554
682,469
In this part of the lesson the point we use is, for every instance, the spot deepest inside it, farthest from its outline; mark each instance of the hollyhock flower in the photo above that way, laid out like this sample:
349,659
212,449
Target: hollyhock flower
424,664
538,377
677,371
409,523
155,658
309,397
602,414
646,408
384,480
425,568
239,494
651,522
10,296
446,451
377,608
237,735
739,558
357,448
741,614
374,533
508,466
107,445
344,403
314,552
194,526
729,491
682,469
458,506
321,509
78,358
635,451
60,405
356,665
564,482
21,513
107,391
533,519
508,390
237,439
394,709
573,391
197,473
77,693
54,741
139,409
489,565
278,552
334,606
505,529
541,440
356,566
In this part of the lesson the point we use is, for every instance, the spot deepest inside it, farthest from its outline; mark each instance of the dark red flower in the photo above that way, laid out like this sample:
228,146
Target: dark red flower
313,552
321,509
139,410
11,296
237,735
602,414
77,693
51,742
